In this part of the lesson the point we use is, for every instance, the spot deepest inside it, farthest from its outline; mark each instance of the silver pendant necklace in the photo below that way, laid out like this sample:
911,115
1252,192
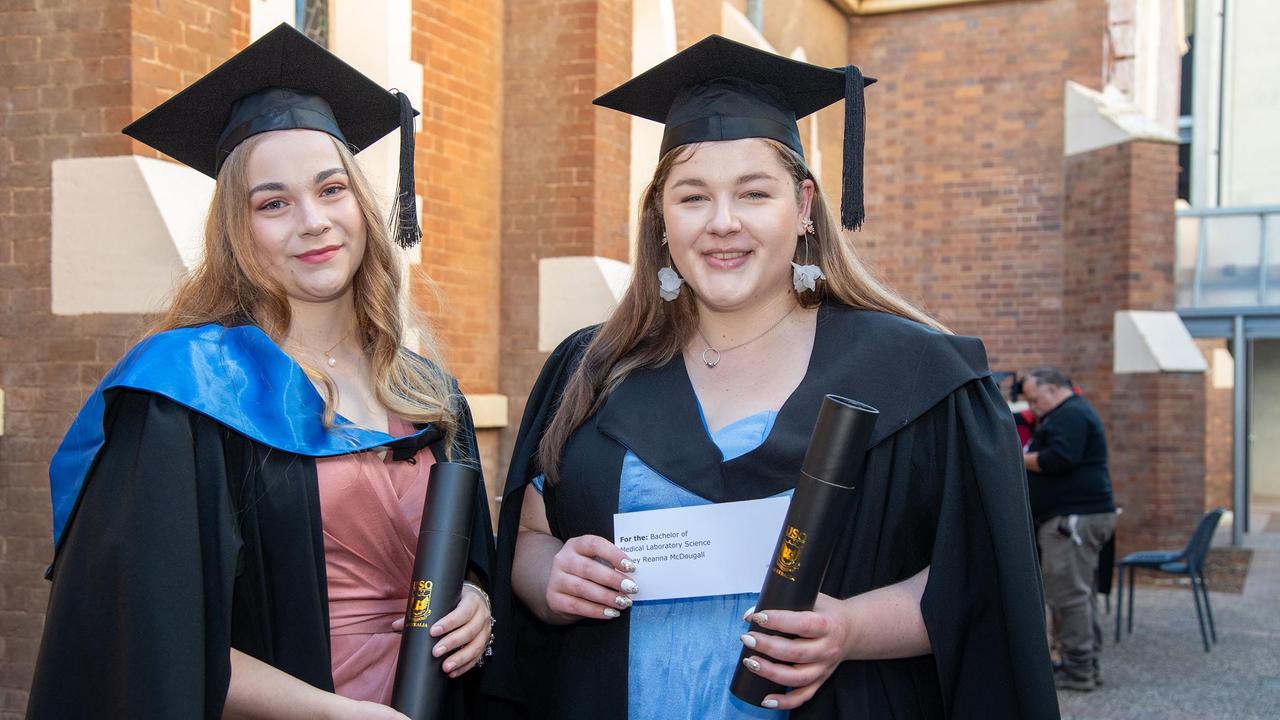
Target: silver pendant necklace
711,356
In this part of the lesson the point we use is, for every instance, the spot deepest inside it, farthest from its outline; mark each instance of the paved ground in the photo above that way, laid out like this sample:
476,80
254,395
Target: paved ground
1161,671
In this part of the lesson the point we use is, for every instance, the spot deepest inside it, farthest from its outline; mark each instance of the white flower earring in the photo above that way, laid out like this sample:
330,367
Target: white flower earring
669,281
805,277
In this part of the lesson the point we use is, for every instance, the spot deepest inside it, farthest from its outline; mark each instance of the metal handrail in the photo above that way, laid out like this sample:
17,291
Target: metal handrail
1202,243
1237,210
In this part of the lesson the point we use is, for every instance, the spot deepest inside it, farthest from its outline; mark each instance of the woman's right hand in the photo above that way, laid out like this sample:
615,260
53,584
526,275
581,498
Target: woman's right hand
590,578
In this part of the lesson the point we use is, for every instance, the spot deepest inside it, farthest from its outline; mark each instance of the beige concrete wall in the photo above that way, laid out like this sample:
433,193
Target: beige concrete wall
1233,139
1264,420
1251,104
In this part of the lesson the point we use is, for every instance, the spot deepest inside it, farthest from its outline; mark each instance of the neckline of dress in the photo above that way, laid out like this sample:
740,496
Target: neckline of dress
780,413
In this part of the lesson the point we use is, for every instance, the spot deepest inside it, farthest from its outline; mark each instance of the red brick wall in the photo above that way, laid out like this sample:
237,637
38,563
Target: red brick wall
1219,406
173,44
565,162
459,158
964,162
696,19
70,78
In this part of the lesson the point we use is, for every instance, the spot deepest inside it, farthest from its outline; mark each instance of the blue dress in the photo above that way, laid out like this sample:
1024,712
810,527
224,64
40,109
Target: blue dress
683,652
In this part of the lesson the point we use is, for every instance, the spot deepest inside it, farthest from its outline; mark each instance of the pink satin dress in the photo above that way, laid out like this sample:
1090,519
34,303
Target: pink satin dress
371,509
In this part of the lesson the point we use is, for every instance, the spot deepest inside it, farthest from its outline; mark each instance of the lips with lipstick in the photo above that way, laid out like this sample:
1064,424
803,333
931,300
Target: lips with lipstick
319,255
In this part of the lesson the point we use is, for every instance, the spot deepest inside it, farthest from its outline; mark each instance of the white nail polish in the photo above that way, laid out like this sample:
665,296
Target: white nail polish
751,664
622,601
629,585
611,613
628,566
769,703
748,641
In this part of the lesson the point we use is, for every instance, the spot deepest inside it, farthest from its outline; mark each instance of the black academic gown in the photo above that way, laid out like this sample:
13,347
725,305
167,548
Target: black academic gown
189,539
944,488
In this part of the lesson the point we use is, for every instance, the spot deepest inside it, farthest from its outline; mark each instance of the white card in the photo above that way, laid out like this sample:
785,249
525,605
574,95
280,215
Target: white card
716,549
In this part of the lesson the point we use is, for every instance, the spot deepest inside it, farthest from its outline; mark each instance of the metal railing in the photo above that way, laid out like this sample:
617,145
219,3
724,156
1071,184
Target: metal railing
1228,257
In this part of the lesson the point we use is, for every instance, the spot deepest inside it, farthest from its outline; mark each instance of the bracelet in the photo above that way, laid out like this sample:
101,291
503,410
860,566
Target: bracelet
488,647
483,594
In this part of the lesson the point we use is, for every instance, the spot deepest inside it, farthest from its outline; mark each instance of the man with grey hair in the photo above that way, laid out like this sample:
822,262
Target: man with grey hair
1075,515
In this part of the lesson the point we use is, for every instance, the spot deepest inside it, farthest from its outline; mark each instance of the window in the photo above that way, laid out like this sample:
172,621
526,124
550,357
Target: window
313,20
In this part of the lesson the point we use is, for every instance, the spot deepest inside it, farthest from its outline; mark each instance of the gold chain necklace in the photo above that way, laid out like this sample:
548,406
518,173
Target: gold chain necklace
715,354
329,359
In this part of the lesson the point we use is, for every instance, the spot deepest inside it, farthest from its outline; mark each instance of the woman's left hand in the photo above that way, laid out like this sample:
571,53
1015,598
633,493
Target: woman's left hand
822,638
463,634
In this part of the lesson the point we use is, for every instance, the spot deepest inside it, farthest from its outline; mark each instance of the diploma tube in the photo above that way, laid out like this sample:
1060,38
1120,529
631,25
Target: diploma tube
439,568
819,512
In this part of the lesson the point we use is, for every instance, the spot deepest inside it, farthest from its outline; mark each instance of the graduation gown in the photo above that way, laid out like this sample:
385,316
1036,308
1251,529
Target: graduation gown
187,522
944,488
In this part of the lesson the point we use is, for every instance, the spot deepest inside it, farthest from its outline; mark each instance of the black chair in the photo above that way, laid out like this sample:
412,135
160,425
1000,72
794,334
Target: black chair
1106,568
1189,561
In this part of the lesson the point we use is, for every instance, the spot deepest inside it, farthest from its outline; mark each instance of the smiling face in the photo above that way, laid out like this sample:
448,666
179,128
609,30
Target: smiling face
733,216
307,226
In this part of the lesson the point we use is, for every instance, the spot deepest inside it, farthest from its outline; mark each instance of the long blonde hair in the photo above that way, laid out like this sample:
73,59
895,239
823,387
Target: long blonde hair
645,331
230,286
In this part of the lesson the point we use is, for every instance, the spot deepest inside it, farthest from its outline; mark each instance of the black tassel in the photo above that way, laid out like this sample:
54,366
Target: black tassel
855,129
407,231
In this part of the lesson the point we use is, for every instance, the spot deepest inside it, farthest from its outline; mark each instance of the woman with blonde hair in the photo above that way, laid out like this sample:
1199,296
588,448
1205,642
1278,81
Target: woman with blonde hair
236,508
746,307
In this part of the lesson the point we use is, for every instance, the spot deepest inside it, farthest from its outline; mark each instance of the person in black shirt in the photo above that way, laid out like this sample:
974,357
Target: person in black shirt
1075,515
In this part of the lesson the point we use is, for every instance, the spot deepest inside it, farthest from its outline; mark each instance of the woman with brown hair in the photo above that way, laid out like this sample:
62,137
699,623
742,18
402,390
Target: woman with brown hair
746,307
236,507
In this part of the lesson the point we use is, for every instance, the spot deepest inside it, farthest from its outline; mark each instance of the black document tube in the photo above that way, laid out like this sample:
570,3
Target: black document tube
439,568
819,512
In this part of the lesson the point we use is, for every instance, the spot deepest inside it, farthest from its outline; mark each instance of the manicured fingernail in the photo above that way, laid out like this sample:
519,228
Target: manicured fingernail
751,664
760,618
769,703
747,615
629,585
748,640
622,601
628,566
611,613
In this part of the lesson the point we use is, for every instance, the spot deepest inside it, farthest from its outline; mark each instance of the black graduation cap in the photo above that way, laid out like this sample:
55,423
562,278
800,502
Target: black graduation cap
718,89
283,81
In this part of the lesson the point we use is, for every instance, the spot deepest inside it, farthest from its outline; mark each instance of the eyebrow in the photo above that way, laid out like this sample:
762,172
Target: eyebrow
280,187
267,187
743,180
324,174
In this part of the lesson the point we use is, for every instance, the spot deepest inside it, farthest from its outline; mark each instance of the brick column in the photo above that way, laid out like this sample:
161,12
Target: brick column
565,162
459,157
1119,227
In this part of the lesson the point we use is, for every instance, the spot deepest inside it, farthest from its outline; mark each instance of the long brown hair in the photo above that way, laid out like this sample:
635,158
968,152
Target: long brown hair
646,331
230,286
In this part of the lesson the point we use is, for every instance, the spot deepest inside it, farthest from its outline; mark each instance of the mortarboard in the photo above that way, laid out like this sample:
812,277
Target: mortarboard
718,89
283,81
